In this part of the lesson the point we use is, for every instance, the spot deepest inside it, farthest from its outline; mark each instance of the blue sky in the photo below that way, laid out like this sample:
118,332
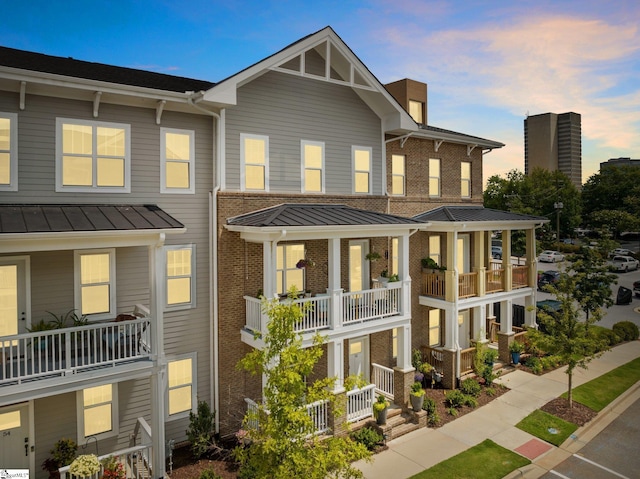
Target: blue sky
487,63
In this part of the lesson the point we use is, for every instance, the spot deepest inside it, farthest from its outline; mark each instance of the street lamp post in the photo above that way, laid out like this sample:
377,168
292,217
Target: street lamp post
558,206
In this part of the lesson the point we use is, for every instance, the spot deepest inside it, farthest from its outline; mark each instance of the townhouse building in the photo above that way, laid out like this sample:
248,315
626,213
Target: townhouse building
148,213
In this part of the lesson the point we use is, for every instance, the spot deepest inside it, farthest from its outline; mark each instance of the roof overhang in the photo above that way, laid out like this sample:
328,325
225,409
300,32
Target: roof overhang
473,226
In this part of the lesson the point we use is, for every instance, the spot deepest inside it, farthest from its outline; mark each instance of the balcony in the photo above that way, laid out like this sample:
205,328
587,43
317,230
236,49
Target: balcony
25,358
352,310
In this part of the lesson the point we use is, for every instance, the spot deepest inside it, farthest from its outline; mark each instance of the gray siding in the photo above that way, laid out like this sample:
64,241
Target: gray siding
288,109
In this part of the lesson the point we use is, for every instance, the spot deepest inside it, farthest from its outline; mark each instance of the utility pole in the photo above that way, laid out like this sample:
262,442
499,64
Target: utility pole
558,206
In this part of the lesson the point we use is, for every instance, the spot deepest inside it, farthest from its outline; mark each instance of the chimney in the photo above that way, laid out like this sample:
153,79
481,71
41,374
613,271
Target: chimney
412,96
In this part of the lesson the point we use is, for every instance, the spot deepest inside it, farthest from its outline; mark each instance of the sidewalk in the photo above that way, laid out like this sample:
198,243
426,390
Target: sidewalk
419,450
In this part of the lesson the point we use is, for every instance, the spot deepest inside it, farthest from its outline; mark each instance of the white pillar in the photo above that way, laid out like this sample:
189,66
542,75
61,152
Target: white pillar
480,324
450,326
506,316
335,363
404,347
334,290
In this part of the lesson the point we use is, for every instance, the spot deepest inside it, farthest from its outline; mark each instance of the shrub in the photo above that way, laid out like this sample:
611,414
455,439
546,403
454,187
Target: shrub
626,330
608,337
470,387
200,432
535,364
63,453
368,437
209,474
431,409
455,398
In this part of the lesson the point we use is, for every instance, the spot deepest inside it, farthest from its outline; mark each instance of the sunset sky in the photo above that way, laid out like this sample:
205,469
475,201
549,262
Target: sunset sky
487,63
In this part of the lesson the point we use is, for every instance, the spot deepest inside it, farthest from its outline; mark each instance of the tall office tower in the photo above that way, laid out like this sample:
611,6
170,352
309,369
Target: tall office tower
553,142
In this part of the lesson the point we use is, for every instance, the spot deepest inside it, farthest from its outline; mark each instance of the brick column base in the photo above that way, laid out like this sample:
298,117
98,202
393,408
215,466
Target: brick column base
402,381
504,340
449,369
338,415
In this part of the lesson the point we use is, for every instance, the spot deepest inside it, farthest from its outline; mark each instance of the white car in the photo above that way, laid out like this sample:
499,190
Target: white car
550,257
620,252
624,263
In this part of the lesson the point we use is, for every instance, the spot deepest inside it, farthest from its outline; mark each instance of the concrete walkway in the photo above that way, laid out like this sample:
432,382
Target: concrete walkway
419,450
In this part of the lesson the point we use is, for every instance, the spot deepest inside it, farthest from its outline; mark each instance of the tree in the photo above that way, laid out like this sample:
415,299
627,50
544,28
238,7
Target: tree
615,221
613,188
592,279
283,444
566,334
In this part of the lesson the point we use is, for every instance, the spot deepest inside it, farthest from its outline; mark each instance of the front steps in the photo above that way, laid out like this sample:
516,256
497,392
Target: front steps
398,423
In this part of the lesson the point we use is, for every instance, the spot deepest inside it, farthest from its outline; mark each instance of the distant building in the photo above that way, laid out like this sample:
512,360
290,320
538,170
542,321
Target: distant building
619,162
553,141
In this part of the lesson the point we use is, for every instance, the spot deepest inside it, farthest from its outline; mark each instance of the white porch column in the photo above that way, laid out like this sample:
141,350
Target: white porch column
479,324
450,326
404,347
335,363
403,273
530,311
506,316
334,290
269,255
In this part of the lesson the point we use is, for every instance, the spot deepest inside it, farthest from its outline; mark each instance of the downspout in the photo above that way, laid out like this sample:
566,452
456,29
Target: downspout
213,262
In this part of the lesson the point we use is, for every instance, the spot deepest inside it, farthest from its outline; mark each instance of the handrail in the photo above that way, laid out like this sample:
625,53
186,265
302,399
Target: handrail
383,380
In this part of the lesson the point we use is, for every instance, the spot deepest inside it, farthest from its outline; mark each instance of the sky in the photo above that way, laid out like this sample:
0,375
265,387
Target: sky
488,64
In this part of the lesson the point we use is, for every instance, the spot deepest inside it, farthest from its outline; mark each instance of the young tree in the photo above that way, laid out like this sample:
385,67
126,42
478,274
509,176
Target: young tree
283,445
566,334
592,279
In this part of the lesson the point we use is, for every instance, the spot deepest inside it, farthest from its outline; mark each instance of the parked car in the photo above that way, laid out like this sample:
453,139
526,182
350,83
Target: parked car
549,256
548,277
624,263
636,288
496,252
621,252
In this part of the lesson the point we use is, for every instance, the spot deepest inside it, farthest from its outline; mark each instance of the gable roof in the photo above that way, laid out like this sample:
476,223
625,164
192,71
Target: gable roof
477,217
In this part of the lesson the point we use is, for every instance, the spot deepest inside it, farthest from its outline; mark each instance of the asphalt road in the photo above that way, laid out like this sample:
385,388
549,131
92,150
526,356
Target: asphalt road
613,453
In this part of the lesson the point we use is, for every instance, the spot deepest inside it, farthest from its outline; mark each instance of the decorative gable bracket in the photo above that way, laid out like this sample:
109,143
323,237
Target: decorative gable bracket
470,148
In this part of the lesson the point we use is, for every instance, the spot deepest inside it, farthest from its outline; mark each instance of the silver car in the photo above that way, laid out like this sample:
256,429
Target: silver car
624,263
550,256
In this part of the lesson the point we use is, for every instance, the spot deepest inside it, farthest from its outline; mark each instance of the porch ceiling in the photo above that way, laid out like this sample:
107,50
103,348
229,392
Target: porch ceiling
318,221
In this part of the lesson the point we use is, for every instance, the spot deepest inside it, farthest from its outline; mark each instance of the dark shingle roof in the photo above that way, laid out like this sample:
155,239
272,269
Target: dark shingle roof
290,215
59,218
473,213
70,67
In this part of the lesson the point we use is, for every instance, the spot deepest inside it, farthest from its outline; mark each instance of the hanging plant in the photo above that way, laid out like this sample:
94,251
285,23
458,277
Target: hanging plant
373,256
305,263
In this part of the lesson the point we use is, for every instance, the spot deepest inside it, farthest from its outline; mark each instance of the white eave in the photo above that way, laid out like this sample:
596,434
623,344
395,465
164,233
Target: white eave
467,226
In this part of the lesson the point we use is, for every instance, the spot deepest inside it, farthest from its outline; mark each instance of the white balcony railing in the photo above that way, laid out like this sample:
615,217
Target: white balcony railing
317,411
66,351
360,403
383,379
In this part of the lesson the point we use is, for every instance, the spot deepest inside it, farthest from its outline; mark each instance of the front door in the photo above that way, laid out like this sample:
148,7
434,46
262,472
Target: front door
358,357
14,437
14,292
358,265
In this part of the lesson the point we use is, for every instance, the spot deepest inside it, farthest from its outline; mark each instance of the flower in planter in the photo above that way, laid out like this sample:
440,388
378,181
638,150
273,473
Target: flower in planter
85,465
305,263
113,469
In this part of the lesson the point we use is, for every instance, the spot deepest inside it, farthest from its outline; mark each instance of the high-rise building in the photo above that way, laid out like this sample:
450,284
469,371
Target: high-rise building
553,141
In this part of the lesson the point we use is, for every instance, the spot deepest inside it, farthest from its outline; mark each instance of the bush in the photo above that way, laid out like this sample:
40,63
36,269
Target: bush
431,409
368,437
200,432
209,474
470,387
63,453
626,330
606,336
456,399
535,364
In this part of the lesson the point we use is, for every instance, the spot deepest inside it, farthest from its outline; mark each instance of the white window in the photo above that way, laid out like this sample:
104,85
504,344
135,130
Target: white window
180,277
434,248
465,179
177,157
394,255
181,395
287,273
312,153
95,283
434,327
8,152
434,177
98,412
361,169
254,155
398,175
415,110
92,156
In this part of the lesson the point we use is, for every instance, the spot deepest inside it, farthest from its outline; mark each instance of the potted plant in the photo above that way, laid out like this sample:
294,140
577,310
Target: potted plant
63,453
112,468
39,327
429,265
384,276
86,465
305,263
427,370
417,396
372,257
380,409
516,348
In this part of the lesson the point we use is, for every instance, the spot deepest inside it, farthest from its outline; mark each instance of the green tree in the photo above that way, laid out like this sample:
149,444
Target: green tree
592,280
283,444
614,221
613,188
566,334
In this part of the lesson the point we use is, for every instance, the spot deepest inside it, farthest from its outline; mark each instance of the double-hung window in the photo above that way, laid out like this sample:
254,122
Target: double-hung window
434,327
434,177
95,283
254,155
180,277
182,390
8,152
312,153
98,412
177,172
465,179
92,156
398,178
361,169
287,273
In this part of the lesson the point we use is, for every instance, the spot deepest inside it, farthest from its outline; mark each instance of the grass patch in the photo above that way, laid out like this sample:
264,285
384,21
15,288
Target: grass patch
599,392
539,422
487,460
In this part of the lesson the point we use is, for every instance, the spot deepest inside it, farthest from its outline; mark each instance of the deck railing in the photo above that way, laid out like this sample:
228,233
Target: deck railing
433,284
383,379
494,280
466,360
467,285
66,351
520,277
317,411
360,403
433,356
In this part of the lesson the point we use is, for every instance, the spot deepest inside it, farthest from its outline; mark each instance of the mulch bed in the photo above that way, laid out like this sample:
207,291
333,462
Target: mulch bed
186,467
578,414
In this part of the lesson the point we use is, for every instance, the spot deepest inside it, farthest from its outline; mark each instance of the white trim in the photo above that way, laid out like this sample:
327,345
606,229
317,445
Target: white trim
126,188
191,161
115,416
77,254
13,152
303,166
243,164
193,356
368,149
192,303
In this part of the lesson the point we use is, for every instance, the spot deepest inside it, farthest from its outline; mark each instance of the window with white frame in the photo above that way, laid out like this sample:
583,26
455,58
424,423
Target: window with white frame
415,110
177,158
95,283
394,255
180,276
435,252
98,411
287,273
254,156
361,169
434,327
92,156
313,166
465,179
8,152
398,178
434,177
181,395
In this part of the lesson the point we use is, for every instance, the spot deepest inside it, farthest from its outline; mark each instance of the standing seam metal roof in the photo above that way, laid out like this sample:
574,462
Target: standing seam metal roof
473,213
